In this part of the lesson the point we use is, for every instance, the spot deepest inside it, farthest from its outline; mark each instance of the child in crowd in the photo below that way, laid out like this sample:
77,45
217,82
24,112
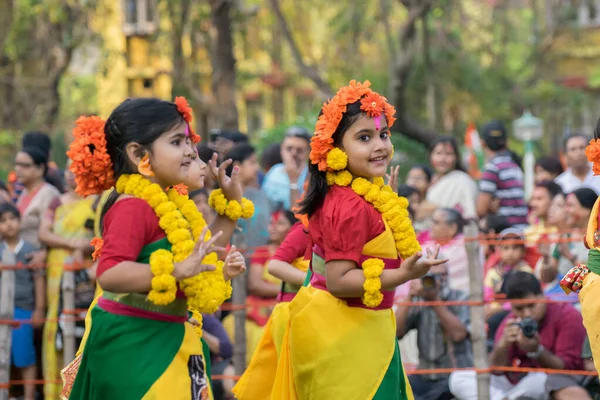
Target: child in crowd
200,197
29,300
512,257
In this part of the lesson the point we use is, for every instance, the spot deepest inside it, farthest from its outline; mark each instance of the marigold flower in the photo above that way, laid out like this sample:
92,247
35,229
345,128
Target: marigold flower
186,112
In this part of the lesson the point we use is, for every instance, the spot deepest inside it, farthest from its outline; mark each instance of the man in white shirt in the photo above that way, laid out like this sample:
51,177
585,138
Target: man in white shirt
579,172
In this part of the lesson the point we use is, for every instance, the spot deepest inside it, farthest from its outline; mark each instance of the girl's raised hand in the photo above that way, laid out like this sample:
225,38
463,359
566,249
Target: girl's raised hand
392,178
232,189
417,266
235,264
192,265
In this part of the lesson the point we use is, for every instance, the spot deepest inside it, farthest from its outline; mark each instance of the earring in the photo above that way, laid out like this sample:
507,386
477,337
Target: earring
144,167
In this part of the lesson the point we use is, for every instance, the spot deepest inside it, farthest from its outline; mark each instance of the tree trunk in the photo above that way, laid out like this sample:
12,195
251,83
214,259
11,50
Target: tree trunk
401,67
223,62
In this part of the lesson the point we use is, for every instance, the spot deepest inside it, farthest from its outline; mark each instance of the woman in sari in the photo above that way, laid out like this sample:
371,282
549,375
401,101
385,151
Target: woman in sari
31,166
66,231
451,186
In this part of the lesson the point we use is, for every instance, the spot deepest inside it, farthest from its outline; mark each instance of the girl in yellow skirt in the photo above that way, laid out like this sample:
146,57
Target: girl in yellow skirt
158,258
340,341
288,264
262,286
585,279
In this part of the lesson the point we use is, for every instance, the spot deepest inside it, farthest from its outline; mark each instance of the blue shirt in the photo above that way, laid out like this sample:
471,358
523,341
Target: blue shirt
276,186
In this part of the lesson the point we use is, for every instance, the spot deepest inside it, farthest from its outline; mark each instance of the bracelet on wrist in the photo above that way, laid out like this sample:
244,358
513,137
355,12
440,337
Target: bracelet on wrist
232,209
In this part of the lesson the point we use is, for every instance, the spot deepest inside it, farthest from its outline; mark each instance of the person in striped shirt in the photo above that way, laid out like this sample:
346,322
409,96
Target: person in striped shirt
501,188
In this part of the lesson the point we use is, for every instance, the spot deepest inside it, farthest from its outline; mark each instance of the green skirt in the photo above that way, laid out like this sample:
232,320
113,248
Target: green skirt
137,358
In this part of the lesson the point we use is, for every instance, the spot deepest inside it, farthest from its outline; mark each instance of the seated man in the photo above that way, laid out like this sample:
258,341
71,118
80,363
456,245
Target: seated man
533,335
569,387
442,332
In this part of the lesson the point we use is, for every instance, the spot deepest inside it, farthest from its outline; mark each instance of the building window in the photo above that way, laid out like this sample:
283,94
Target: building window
588,12
140,17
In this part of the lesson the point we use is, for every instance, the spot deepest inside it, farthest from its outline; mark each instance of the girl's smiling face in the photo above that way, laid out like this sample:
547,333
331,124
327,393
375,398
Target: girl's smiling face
368,146
173,158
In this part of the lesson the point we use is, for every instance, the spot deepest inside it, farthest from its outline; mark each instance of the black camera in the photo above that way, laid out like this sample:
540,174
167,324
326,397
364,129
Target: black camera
429,281
529,327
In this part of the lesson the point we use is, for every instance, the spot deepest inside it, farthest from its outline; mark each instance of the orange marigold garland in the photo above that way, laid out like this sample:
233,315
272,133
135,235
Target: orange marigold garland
593,155
186,111
91,163
182,189
333,110
98,243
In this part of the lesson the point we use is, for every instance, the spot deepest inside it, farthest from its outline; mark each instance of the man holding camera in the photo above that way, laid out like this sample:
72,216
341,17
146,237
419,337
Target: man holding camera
534,335
442,332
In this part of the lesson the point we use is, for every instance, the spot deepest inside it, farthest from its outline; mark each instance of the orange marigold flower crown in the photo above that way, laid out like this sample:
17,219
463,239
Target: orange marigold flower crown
91,163
593,155
372,103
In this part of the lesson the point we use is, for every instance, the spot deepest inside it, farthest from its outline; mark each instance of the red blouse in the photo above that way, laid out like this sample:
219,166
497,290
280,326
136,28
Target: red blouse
129,225
294,245
344,224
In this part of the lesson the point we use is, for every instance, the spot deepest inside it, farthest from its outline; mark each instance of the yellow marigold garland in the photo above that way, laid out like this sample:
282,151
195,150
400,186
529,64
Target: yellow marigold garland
182,223
394,210
372,269
198,317
232,209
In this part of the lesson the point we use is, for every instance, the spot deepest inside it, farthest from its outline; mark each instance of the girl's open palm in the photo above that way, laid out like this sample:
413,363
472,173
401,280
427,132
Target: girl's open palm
232,189
192,265
235,264
392,178
417,266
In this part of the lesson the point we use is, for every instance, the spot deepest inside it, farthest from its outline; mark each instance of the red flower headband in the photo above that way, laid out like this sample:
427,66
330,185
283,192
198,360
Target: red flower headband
372,103
91,163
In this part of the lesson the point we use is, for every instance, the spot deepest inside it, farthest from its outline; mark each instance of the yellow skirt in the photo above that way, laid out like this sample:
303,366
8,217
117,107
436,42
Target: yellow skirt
257,380
590,311
332,351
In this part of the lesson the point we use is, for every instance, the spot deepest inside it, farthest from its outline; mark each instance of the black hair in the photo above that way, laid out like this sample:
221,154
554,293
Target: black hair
298,132
38,156
407,191
197,192
550,164
426,170
290,216
3,186
452,142
497,223
317,186
239,153
141,120
205,153
270,156
586,197
9,208
552,187
454,217
234,136
40,140
576,135
520,284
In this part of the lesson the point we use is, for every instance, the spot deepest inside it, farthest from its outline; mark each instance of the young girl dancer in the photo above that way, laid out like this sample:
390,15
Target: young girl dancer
158,258
340,342
289,265
585,278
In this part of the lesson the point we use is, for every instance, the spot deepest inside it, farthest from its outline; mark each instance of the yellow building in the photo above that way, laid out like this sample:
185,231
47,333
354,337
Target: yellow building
136,62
